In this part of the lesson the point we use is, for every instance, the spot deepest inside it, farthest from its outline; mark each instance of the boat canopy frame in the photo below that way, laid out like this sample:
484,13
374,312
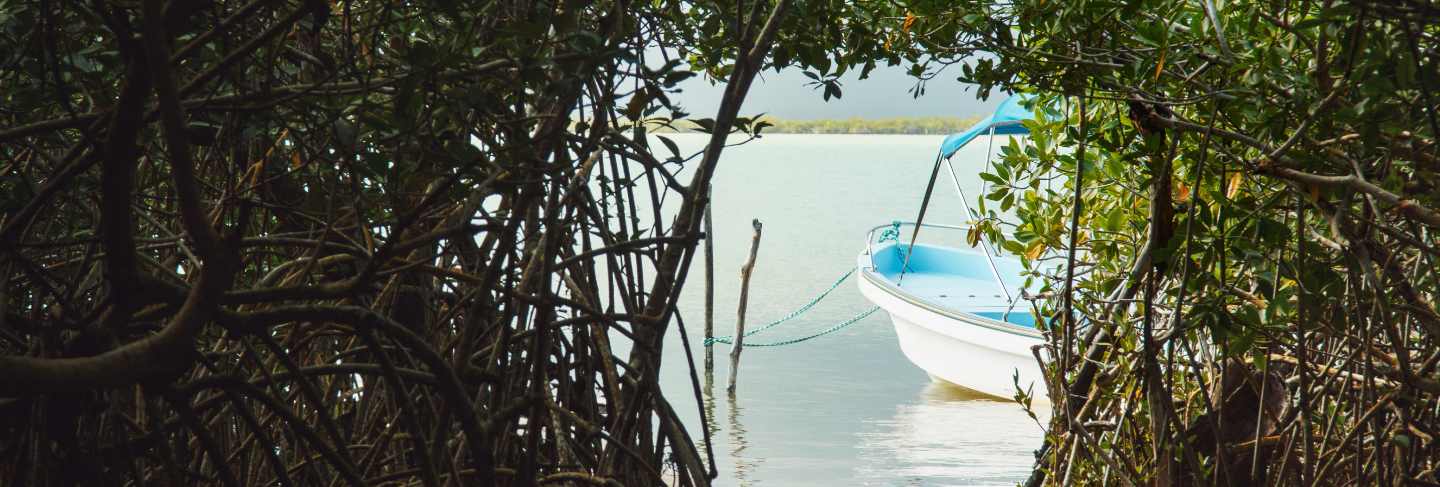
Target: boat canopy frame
1008,119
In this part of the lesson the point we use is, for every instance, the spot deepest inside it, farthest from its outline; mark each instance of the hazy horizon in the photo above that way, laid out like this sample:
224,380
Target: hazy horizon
885,94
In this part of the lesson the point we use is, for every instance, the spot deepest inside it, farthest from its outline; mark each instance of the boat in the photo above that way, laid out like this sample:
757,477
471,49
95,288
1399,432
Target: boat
958,310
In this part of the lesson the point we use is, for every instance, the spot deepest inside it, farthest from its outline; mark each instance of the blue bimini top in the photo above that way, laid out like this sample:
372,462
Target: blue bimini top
1006,121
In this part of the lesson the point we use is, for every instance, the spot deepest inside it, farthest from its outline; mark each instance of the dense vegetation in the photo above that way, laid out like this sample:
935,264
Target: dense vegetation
296,242
1238,271
303,242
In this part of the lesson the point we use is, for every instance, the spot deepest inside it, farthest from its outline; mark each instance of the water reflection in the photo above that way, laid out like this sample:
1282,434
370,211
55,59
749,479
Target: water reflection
847,409
947,436
743,463
740,461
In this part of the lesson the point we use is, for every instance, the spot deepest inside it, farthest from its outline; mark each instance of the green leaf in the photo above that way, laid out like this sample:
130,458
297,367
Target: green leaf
670,145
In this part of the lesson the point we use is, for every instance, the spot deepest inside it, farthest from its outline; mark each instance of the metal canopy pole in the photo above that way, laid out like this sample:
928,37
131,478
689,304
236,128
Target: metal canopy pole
989,152
994,271
985,185
920,220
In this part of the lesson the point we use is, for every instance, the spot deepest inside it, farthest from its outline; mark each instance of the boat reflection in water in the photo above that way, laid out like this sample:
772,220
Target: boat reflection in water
950,436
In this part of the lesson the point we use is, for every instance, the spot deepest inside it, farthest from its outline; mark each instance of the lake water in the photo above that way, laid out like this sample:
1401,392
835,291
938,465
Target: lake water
847,408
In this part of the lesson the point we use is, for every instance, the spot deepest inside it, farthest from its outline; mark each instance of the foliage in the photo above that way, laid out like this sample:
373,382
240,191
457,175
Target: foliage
308,242
1246,226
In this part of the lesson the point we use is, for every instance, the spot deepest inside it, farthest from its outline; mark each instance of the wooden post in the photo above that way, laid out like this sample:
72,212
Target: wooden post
709,286
744,295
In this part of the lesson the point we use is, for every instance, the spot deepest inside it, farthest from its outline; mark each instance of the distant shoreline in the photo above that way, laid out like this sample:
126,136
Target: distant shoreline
856,126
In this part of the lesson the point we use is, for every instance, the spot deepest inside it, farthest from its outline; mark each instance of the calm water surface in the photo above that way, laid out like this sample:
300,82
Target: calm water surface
848,408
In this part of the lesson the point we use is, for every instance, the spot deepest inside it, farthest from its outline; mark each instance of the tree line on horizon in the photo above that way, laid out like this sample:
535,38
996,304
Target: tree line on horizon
863,125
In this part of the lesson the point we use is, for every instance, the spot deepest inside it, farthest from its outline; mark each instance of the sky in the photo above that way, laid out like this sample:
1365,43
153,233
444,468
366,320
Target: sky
884,94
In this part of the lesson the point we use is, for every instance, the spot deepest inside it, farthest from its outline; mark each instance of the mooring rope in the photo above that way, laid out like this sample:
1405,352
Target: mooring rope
840,326
727,339
892,233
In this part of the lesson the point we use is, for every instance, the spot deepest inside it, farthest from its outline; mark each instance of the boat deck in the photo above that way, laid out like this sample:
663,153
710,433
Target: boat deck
951,291
956,280
976,296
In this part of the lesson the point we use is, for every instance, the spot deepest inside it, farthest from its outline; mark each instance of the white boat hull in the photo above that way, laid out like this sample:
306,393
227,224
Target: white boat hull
966,350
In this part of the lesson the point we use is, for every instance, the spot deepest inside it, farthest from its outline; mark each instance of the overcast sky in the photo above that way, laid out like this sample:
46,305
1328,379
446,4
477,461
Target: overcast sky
884,94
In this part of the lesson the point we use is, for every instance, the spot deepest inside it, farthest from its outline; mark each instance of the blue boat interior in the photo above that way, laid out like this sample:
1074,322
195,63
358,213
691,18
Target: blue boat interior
956,280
